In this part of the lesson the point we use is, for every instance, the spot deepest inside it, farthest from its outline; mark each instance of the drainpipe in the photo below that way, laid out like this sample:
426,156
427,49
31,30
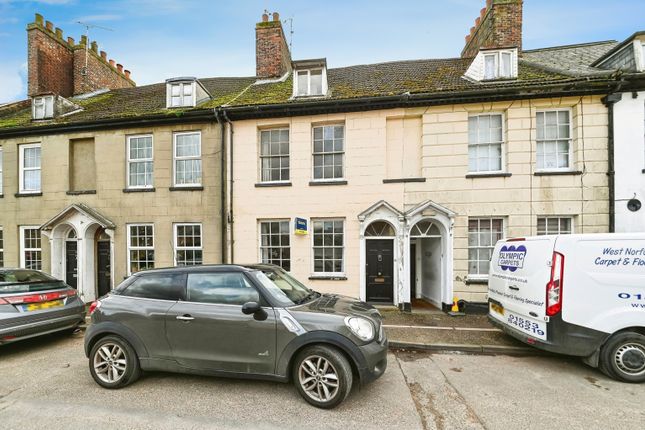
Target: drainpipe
609,101
230,218
222,126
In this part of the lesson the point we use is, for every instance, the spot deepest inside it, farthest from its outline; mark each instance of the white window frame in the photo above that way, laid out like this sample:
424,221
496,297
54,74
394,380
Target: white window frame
551,217
480,276
1,171
47,105
139,248
261,247
187,248
23,249
502,144
22,169
181,85
497,55
175,158
340,274
296,78
269,156
140,160
537,141
334,152
1,247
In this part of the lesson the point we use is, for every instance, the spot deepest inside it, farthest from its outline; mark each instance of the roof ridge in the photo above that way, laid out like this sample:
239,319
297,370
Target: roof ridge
573,45
418,60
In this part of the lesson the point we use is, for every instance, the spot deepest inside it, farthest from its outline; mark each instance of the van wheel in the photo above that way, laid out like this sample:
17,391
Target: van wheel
114,363
623,357
323,376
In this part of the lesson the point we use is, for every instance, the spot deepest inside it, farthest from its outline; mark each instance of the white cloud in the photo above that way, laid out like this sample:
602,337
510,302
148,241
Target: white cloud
12,87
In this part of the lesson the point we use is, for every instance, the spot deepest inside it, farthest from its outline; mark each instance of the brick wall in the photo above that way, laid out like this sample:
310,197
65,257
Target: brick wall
57,65
499,25
272,57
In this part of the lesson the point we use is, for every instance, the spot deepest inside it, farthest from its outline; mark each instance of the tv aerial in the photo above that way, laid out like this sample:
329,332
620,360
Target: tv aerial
87,26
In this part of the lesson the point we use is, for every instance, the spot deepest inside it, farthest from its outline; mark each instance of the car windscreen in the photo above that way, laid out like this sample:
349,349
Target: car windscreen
27,281
282,287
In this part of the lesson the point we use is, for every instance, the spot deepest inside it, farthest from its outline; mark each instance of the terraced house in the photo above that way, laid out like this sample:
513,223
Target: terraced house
101,178
387,181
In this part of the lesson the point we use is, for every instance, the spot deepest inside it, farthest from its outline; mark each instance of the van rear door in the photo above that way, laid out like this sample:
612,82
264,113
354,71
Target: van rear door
519,272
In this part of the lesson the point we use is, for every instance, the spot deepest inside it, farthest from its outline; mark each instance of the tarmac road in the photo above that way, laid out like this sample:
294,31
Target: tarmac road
45,383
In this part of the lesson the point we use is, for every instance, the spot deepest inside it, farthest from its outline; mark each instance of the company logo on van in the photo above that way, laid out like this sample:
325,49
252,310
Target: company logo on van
512,258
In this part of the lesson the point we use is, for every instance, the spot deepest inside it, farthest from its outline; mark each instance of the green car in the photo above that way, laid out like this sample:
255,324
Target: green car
237,321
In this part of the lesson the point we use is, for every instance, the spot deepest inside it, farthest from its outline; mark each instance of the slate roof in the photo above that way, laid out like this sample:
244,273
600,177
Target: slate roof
439,76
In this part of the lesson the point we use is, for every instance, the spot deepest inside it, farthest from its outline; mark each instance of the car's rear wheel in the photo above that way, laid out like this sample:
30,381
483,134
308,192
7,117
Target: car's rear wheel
623,357
114,363
322,376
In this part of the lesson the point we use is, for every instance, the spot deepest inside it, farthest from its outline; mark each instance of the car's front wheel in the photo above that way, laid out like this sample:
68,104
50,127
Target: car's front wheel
323,376
114,363
623,357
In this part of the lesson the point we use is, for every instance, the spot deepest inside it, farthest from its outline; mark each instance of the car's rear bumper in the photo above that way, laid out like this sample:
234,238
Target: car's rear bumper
20,330
562,337
375,354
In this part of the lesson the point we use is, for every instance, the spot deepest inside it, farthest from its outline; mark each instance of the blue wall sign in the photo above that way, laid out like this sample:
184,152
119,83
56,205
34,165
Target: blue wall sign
300,225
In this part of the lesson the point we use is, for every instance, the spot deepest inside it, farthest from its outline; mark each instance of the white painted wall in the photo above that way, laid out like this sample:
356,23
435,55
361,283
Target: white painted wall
629,158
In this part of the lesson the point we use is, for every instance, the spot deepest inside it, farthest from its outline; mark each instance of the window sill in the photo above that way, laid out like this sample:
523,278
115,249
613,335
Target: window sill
272,184
196,188
558,173
328,278
28,194
139,190
78,193
403,180
476,281
317,183
488,175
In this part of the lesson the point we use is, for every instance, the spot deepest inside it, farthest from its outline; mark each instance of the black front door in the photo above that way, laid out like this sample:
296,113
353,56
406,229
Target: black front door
380,270
103,267
71,263
413,271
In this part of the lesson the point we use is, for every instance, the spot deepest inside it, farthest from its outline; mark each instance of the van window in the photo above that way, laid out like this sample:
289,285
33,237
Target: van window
156,286
220,288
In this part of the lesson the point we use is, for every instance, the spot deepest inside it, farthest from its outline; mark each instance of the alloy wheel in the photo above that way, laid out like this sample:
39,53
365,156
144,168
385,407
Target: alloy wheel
110,363
630,359
318,378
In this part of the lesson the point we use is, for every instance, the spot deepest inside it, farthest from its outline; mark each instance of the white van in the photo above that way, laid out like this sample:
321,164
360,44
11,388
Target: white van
580,294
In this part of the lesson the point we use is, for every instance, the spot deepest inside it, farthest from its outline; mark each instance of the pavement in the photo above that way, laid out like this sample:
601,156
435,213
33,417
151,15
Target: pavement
440,332
45,383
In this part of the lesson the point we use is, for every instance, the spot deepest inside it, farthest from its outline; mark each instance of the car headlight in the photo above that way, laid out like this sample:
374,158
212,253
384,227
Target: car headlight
362,328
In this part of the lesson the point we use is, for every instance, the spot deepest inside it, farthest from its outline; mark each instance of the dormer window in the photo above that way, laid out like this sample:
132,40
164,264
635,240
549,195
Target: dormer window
310,78
43,107
493,64
181,94
497,65
185,92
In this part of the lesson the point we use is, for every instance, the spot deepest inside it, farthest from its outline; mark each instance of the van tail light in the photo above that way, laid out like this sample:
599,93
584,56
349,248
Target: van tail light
94,306
555,284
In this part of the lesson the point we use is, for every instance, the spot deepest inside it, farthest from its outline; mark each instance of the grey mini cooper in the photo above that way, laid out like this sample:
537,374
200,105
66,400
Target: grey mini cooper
241,321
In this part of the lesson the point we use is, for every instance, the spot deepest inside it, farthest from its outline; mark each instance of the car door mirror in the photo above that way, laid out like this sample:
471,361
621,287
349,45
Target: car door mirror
250,308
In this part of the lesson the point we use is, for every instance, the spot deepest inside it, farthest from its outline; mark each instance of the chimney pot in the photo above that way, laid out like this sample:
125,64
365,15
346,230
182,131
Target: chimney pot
472,31
119,67
265,17
59,33
489,3
482,12
83,40
49,25
467,38
276,16
95,46
127,73
112,62
477,21
71,41
104,55
40,20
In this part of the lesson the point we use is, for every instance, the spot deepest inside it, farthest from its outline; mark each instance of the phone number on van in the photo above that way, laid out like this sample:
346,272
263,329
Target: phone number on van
526,325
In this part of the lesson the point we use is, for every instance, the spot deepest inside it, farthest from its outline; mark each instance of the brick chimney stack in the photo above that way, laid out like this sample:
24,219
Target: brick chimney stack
56,65
272,56
499,25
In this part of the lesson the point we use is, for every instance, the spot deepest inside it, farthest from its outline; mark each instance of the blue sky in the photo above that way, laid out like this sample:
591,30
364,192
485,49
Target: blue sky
158,39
